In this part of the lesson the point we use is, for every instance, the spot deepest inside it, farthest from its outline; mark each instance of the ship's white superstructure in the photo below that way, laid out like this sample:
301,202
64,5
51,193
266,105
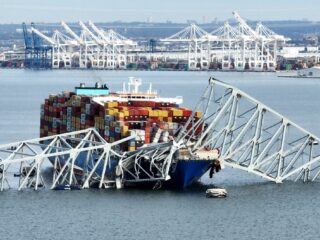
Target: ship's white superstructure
131,92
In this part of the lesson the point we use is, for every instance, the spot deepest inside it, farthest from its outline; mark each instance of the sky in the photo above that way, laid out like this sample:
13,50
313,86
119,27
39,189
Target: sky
17,11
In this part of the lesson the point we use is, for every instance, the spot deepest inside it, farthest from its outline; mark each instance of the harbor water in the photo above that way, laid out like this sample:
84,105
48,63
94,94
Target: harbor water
254,208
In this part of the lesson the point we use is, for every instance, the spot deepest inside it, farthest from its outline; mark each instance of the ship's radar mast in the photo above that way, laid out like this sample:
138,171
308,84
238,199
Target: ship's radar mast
133,86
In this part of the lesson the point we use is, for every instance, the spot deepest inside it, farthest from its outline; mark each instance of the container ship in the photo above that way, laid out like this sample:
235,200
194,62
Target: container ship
116,115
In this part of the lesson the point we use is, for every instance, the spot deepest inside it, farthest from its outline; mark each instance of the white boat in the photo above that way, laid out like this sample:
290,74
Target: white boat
216,192
313,72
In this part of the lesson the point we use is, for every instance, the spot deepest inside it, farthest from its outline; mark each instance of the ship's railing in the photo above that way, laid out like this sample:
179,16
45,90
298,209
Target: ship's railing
252,137
102,99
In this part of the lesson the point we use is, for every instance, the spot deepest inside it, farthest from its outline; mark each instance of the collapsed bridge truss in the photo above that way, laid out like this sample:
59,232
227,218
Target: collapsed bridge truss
254,137
249,135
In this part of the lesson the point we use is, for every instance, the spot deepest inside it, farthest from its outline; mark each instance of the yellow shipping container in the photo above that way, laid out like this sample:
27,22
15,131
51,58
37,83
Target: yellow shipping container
120,114
108,105
111,104
177,112
124,130
110,111
131,148
198,114
124,133
126,113
154,113
163,113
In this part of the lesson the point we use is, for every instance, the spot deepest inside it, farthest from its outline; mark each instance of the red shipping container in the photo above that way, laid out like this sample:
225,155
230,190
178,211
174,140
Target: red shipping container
132,112
61,100
122,104
85,99
187,112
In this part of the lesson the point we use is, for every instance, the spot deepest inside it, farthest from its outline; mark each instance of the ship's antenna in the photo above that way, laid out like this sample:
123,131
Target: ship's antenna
124,87
129,84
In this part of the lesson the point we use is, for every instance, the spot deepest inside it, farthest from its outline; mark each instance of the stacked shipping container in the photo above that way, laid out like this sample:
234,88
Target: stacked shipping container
149,121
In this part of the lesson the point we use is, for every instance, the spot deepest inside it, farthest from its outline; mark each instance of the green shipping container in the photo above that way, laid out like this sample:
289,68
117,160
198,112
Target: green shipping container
288,67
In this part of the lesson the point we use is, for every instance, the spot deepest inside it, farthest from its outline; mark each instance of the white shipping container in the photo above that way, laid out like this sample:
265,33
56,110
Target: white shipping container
117,129
107,131
165,136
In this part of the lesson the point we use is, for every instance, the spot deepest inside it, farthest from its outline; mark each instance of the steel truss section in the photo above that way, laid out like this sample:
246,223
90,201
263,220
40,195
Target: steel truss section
147,164
103,164
26,158
253,137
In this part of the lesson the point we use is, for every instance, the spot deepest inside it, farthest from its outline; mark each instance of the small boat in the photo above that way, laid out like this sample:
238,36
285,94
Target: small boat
216,193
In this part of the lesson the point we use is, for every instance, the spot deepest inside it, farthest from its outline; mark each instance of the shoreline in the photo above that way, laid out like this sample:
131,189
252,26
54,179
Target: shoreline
144,70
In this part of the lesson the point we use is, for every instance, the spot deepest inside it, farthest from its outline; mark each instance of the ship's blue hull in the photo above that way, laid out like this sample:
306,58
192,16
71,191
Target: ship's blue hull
187,172
183,173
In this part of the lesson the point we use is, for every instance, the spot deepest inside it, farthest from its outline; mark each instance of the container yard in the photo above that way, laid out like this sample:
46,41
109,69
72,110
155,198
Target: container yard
237,47
194,47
